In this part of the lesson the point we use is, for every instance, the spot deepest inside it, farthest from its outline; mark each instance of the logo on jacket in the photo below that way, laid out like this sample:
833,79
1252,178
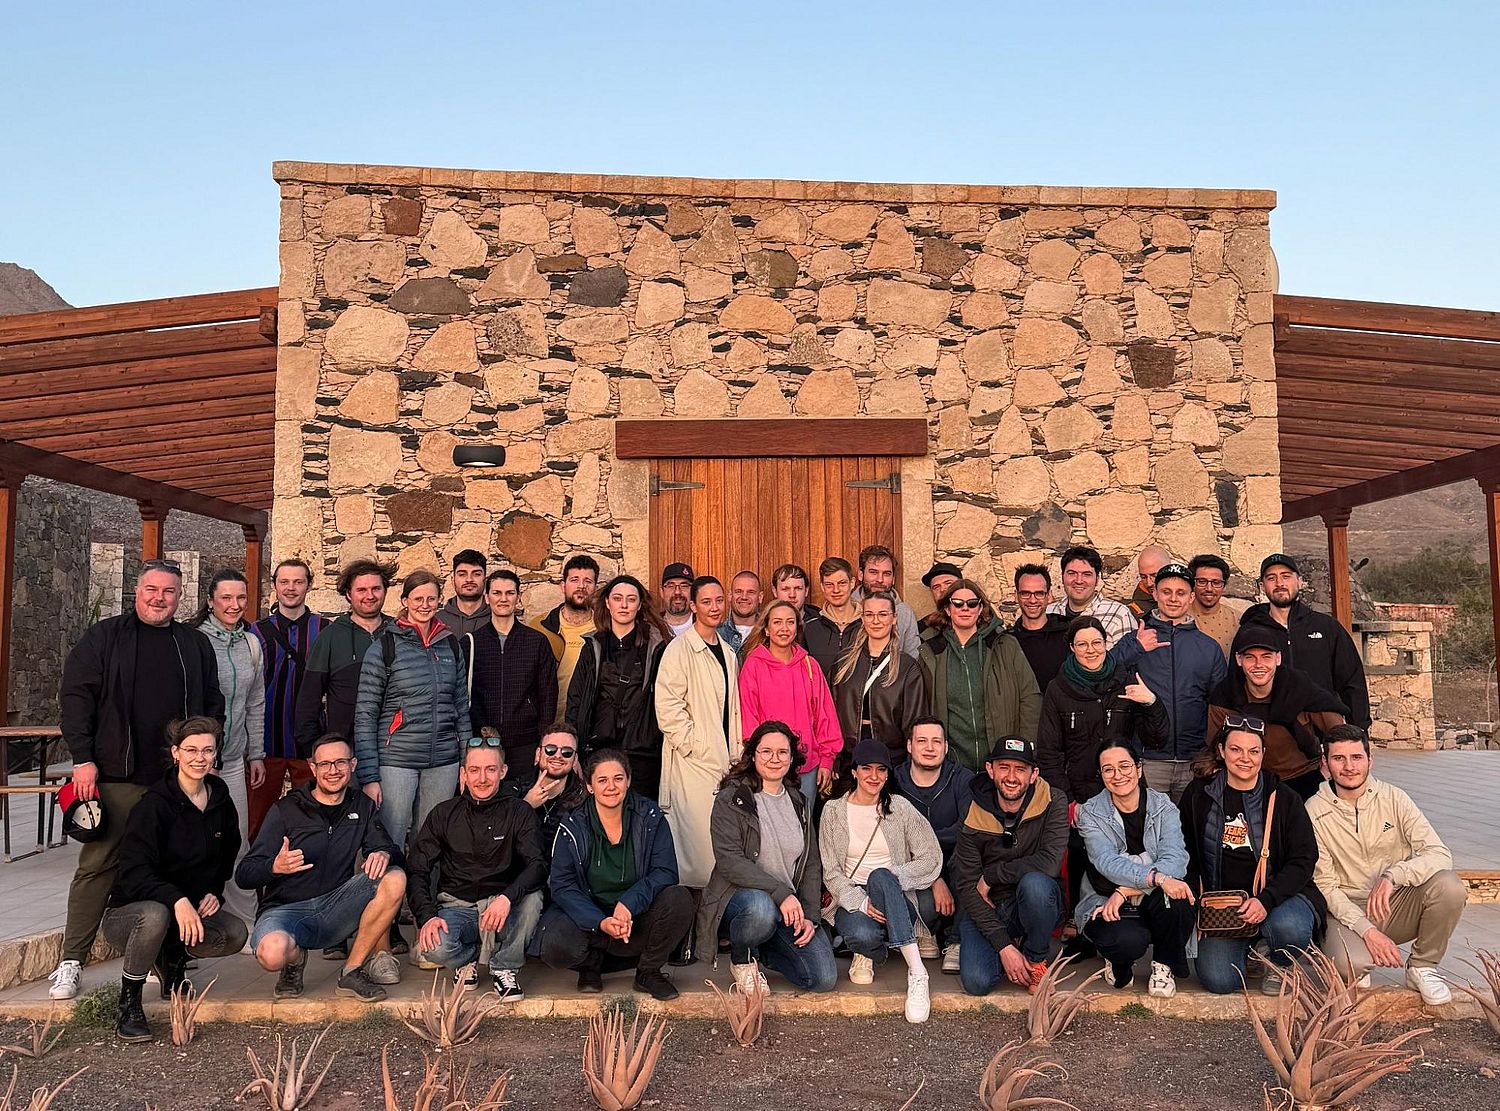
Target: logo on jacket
354,815
1314,636
1388,828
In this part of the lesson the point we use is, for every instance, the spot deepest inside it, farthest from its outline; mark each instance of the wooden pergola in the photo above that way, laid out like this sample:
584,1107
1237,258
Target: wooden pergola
170,403
1378,400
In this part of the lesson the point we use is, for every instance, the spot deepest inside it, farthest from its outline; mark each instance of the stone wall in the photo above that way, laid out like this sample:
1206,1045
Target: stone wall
51,596
1398,668
1094,364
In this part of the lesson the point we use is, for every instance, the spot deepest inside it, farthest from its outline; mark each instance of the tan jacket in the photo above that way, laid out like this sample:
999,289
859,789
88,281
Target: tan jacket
1384,834
695,753
1221,622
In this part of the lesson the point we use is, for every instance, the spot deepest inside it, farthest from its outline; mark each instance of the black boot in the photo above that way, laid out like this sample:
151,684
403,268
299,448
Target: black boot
131,1026
171,967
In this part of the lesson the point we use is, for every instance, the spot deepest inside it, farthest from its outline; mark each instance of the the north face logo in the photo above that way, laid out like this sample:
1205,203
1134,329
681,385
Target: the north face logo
1314,636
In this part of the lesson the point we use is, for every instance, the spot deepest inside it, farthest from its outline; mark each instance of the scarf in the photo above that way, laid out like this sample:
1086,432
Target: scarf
1085,680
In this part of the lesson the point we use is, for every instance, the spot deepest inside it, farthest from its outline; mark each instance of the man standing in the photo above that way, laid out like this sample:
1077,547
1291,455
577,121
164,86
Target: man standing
1211,612
676,589
477,868
820,635
940,790
125,680
465,611
877,574
745,597
1317,645
1043,636
1008,860
512,676
1147,564
939,577
286,634
1081,572
325,704
1182,666
572,619
328,874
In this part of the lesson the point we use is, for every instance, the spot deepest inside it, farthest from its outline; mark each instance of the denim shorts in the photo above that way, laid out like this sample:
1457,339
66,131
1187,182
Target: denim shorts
321,922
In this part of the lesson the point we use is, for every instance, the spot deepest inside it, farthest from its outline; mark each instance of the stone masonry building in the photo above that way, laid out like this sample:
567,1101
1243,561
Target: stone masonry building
1088,364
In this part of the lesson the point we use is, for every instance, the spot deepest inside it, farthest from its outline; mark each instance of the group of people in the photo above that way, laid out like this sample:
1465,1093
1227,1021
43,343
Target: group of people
634,781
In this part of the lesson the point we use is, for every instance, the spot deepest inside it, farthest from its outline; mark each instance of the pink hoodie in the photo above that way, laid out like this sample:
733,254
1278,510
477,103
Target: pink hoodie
796,693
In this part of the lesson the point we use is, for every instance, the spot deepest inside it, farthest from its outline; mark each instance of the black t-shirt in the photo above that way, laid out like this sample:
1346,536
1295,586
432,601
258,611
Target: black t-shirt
332,814
1135,828
1237,856
717,648
157,698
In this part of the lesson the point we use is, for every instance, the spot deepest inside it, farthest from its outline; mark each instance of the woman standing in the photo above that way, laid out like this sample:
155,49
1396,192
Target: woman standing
1228,822
412,702
879,690
880,858
610,697
1134,895
176,857
239,655
780,681
698,709
766,889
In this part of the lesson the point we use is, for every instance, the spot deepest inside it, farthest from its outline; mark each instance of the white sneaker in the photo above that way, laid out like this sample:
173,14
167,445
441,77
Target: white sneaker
1364,983
950,959
861,970
383,968
1427,981
1163,985
927,946
65,980
468,975
750,978
918,1001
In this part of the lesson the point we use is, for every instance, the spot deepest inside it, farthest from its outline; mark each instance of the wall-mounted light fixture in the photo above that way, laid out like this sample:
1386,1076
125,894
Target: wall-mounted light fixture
478,455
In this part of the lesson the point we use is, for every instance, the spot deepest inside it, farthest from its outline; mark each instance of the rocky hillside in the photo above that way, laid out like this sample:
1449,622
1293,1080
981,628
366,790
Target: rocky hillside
1393,530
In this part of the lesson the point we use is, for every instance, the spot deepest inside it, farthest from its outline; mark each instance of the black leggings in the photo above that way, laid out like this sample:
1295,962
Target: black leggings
1163,927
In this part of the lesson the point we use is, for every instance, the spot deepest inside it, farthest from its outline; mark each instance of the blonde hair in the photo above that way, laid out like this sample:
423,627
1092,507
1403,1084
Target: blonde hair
850,659
758,635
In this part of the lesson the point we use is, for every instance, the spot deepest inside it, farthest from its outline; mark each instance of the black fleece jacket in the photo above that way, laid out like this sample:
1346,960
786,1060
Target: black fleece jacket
475,850
1322,649
172,850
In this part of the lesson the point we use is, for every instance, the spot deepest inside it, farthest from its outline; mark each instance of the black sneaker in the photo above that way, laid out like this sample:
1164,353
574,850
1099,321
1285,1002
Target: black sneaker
1120,975
339,952
289,983
656,985
507,984
590,981
682,956
354,982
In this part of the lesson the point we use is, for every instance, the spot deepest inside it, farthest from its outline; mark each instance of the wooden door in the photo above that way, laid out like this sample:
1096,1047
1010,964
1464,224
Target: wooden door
727,515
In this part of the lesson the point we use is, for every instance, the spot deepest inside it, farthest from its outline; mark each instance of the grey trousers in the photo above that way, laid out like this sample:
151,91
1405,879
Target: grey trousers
88,894
141,928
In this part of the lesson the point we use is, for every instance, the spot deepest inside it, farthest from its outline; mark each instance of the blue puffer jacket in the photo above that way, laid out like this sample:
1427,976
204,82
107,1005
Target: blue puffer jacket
1181,673
410,714
655,862
1103,832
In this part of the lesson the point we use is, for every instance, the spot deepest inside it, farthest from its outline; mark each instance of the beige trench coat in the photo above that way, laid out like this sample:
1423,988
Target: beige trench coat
695,753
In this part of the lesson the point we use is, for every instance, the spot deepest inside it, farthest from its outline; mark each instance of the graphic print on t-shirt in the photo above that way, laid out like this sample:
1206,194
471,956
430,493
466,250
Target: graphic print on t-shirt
1236,833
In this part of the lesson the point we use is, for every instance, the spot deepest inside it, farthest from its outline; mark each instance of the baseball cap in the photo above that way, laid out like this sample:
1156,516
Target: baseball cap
1013,747
1256,634
1175,571
677,571
941,569
871,751
1279,558
83,819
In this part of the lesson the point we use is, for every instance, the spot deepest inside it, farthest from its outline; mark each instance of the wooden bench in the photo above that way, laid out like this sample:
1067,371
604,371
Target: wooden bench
47,784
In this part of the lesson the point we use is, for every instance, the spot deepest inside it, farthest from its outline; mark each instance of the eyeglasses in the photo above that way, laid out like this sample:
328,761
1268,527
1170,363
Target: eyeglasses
1031,595
1111,770
162,565
555,750
1247,723
483,742
1217,584
341,764
965,603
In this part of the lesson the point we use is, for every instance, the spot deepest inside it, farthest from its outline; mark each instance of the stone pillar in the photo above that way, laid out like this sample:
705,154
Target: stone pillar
1337,523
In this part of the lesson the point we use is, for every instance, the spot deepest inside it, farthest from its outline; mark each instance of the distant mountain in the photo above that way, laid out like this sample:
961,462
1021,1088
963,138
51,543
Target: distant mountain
1397,529
21,290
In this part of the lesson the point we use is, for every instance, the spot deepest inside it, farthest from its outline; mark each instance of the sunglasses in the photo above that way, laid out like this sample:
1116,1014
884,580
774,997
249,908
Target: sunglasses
483,742
965,603
162,565
1247,723
557,750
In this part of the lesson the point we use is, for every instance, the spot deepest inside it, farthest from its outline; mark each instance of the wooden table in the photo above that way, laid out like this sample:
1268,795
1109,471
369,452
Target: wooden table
46,786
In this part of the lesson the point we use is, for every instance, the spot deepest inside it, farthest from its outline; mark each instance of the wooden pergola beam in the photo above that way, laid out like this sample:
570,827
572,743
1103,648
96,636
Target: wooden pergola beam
181,432
1347,426
132,316
1386,348
1410,398
19,386
164,454
1377,316
1378,372
144,414
105,401
1394,485
132,347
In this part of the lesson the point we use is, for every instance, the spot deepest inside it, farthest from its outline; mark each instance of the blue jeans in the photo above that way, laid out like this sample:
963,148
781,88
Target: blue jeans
867,937
460,943
1029,917
401,789
753,925
321,922
808,781
1288,926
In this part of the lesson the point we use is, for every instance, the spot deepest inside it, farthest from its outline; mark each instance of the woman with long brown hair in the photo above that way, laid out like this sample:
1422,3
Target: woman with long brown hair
610,697
780,681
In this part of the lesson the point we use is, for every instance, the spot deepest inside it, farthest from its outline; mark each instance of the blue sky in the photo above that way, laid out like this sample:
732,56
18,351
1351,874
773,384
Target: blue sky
136,140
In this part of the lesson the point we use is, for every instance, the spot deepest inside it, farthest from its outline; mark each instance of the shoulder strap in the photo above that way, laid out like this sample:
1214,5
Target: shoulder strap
297,655
877,672
388,648
468,642
879,818
1265,848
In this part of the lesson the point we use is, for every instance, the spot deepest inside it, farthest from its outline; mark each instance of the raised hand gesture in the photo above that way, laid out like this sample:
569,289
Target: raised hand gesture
1137,691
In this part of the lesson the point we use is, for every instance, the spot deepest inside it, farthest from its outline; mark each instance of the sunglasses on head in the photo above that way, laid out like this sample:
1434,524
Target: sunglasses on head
162,565
484,742
558,750
1247,723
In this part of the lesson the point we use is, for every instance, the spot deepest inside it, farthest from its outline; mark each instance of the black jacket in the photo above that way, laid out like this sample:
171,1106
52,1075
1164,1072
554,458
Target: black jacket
1322,649
1076,722
642,736
332,674
1045,648
97,684
551,813
172,850
945,804
513,689
335,851
1294,846
474,850
1038,844
823,640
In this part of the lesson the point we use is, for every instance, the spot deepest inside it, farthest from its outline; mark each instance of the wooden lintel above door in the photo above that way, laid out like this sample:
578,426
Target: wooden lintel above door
755,438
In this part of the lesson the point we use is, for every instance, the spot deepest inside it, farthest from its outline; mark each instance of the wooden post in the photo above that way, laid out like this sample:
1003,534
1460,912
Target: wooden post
1490,484
253,573
153,517
1337,522
10,494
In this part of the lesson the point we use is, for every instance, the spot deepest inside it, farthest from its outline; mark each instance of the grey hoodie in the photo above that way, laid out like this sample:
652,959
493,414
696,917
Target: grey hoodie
243,684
